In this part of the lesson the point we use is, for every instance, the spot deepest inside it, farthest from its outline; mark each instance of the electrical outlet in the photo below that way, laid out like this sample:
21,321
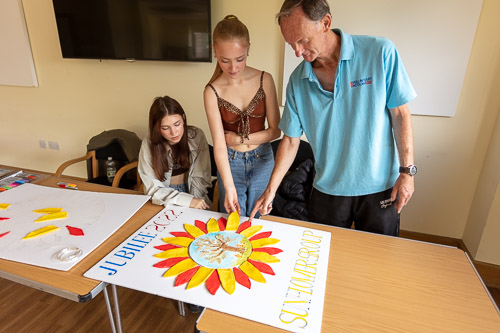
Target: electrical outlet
53,145
43,144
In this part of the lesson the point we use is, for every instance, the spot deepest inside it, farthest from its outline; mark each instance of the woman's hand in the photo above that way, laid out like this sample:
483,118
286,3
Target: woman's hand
232,139
198,204
231,201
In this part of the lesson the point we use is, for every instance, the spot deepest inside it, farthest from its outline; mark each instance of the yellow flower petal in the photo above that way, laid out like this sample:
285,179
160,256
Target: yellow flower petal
263,257
48,210
180,267
181,241
227,280
52,216
263,242
4,206
178,252
199,277
212,225
193,230
41,231
249,232
252,272
233,221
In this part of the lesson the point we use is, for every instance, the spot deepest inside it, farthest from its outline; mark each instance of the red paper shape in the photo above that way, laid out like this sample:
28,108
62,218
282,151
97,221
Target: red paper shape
169,262
213,282
166,247
268,250
243,226
4,218
261,235
75,231
222,223
242,278
181,234
185,276
264,268
201,225
5,233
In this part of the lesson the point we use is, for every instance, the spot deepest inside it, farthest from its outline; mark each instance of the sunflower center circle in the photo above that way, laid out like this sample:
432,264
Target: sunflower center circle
222,249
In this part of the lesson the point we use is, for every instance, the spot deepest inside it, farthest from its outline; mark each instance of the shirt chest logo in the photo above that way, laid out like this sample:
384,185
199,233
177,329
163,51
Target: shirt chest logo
361,82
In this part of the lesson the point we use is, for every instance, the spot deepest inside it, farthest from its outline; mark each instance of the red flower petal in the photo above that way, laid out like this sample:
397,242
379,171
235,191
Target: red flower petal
4,218
222,223
268,250
181,234
169,262
261,235
264,268
242,278
213,282
201,225
5,233
243,226
75,231
186,276
166,247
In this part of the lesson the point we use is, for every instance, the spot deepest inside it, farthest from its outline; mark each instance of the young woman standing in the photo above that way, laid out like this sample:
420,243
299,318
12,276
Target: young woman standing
238,101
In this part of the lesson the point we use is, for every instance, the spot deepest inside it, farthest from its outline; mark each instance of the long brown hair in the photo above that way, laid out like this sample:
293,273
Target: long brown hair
228,29
161,107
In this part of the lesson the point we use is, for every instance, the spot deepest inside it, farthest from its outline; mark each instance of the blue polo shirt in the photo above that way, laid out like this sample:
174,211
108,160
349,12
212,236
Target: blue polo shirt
350,129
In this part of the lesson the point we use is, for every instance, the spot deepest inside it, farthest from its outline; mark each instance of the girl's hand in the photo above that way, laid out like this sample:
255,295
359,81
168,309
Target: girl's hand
198,204
232,139
231,202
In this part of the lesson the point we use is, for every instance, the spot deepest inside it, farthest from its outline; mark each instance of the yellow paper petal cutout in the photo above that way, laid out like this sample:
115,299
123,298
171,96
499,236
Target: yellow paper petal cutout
249,232
49,210
233,221
52,216
193,230
252,272
199,277
212,225
178,252
263,257
4,206
227,280
180,267
41,231
263,242
180,241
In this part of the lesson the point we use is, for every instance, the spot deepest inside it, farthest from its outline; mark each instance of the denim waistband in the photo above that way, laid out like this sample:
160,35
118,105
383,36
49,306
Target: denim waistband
251,153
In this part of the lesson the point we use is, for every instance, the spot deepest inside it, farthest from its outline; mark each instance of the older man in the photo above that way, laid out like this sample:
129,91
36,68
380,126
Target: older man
349,96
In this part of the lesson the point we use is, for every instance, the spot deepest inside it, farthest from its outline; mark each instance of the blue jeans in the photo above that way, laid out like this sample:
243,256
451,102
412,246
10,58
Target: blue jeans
180,188
251,171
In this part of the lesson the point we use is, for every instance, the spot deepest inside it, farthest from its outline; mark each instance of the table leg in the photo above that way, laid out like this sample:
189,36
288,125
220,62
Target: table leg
117,308
110,311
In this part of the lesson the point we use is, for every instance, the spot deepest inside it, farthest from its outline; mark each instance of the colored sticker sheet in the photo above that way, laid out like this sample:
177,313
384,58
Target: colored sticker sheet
269,272
65,220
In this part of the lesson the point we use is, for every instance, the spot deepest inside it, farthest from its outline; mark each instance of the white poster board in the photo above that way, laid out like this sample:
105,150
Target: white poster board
291,297
16,61
97,215
434,39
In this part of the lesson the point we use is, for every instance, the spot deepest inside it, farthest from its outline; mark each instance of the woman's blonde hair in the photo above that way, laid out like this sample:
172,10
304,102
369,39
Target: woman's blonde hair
228,29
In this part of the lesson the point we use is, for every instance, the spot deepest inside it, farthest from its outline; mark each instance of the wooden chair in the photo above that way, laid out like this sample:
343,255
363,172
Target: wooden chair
91,155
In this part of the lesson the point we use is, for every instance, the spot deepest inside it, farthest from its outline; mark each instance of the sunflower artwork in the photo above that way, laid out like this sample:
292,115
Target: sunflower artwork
218,253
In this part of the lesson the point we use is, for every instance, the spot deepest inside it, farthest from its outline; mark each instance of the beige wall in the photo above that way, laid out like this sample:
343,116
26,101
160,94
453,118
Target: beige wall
77,99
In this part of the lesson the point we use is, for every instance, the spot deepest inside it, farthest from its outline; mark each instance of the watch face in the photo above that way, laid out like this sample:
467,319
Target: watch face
412,170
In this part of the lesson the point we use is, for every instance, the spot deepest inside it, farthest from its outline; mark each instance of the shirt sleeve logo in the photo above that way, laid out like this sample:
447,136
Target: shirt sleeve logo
361,82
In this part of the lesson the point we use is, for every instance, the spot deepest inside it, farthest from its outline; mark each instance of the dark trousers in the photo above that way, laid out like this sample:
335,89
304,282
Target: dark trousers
373,212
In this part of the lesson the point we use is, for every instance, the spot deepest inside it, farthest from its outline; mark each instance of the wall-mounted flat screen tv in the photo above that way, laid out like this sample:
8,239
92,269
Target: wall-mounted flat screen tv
171,30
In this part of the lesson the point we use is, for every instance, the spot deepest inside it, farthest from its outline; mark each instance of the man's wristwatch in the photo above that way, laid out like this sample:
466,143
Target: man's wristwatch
410,170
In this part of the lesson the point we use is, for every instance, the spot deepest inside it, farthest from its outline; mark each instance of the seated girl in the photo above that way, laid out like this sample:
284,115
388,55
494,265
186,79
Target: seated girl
174,161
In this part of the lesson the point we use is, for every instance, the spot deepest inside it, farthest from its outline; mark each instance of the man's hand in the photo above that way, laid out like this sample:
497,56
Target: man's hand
264,205
402,190
198,204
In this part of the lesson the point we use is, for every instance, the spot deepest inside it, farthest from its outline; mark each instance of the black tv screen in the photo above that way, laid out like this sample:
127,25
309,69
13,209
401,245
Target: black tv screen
172,30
